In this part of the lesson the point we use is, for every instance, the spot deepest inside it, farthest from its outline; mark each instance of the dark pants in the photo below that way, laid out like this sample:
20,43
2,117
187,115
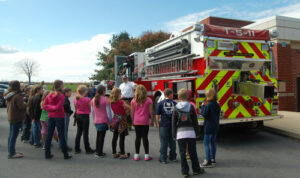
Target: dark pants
100,141
59,123
166,139
121,142
26,129
12,138
83,124
67,121
191,143
141,132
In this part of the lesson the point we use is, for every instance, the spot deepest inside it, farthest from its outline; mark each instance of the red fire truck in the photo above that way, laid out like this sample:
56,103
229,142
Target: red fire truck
237,62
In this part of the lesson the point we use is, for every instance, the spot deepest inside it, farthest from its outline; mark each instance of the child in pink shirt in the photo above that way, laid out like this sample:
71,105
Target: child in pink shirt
82,105
141,109
119,108
101,112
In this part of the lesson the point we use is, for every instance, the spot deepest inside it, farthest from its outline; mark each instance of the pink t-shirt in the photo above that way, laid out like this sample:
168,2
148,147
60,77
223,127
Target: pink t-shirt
82,105
141,113
100,113
118,107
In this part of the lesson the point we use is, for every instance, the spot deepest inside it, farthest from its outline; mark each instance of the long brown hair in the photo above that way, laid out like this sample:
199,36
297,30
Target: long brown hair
37,89
80,91
57,86
114,95
140,95
100,92
13,86
45,95
31,95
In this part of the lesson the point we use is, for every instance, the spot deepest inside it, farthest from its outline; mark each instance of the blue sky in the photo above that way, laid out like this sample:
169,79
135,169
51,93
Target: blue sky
31,28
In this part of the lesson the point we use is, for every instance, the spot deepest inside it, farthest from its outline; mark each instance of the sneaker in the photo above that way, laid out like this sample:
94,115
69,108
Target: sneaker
49,157
174,160
68,157
162,162
77,151
206,164
185,175
44,148
213,161
147,157
91,151
102,155
201,171
25,141
136,157
38,146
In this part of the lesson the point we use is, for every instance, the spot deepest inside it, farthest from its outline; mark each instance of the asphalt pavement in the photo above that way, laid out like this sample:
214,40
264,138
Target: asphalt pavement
240,153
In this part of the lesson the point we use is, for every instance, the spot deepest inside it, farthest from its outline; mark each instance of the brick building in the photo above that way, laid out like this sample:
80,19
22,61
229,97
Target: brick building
286,51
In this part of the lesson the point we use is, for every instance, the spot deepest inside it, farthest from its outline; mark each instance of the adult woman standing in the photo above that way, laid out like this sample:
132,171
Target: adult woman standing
15,116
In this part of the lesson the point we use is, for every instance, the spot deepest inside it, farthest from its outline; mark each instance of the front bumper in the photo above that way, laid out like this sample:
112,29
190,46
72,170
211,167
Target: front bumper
242,120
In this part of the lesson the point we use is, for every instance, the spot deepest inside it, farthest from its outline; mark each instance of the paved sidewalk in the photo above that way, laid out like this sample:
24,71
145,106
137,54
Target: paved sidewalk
289,125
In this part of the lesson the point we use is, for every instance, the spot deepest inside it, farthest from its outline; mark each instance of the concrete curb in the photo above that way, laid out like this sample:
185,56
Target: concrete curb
282,132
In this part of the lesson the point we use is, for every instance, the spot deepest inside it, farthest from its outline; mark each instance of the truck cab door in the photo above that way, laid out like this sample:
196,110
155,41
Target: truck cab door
123,66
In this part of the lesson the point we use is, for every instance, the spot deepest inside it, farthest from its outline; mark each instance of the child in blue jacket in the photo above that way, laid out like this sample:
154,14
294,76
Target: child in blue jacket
211,113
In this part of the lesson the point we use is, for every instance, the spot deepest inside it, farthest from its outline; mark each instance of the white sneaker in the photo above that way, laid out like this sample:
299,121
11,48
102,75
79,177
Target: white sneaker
136,157
147,157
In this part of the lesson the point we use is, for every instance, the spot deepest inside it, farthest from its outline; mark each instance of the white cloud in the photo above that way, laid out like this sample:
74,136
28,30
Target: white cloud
288,8
7,49
70,62
188,20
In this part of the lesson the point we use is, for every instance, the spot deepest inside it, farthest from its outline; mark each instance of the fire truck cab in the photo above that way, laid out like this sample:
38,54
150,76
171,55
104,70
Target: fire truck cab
236,62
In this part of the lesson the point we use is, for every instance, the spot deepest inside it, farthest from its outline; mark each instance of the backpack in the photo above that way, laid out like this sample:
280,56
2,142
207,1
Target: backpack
184,118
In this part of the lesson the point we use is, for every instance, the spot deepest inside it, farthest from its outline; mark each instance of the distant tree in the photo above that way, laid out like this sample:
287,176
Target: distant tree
28,67
123,45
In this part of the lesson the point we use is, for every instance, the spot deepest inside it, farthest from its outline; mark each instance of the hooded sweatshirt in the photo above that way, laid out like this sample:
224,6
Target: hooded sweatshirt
15,107
54,105
182,130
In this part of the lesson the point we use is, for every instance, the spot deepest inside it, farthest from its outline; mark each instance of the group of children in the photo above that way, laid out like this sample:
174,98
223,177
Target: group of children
48,110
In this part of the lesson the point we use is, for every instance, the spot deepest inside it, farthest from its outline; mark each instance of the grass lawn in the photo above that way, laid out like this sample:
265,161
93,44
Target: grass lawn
73,86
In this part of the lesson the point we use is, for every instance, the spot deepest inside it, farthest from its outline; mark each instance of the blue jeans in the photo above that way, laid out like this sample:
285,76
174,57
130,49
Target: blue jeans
12,138
166,139
36,136
67,121
210,146
59,123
